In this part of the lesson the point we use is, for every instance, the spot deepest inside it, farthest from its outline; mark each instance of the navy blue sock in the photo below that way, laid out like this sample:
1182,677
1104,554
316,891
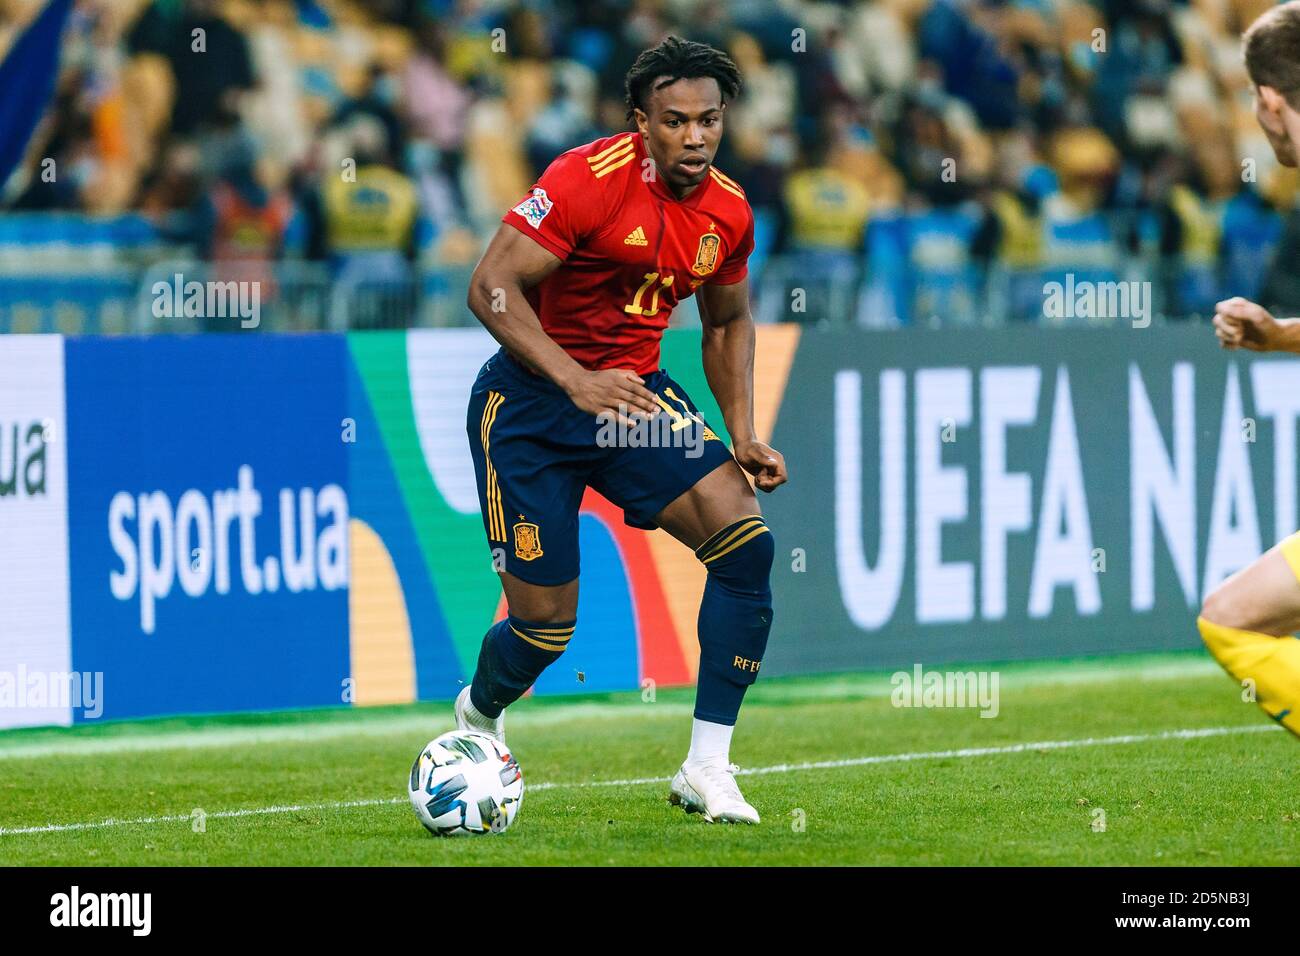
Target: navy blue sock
513,656
735,616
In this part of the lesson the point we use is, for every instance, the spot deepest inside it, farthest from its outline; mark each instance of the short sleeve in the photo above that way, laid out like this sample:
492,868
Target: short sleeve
556,214
736,266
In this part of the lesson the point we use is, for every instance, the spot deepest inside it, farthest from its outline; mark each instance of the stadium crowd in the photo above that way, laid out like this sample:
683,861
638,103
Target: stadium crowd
940,158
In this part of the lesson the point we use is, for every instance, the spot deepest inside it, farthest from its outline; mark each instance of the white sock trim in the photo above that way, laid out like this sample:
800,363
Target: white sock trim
710,743
475,718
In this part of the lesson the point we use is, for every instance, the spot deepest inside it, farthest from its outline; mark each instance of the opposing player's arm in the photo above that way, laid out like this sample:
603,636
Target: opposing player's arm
512,264
1242,324
728,352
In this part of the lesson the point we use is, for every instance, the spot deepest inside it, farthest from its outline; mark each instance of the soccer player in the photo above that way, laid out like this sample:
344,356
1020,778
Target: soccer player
577,286
1249,620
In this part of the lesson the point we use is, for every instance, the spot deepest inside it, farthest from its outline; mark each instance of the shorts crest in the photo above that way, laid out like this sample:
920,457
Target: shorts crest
528,541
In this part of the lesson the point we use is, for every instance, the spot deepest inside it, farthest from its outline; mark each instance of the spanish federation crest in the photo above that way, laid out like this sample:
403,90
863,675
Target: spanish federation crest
706,256
528,541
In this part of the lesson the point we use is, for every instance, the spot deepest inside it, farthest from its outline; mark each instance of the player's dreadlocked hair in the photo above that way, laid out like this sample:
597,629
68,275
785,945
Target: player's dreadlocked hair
678,59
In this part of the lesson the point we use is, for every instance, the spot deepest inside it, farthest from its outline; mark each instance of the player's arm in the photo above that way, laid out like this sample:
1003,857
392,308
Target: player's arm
729,367
512,264
1241,324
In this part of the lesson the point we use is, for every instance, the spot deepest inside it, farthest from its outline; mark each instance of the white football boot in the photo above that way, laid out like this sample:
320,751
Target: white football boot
710,789
469,719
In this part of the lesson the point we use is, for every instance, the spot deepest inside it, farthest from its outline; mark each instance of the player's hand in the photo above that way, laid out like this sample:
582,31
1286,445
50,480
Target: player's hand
1241,324
614,391
764,462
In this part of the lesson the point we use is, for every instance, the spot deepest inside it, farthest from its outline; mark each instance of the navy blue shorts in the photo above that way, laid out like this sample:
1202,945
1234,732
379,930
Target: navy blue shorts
535,453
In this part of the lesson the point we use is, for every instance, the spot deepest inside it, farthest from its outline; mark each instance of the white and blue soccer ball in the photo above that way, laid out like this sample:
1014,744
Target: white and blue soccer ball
466,783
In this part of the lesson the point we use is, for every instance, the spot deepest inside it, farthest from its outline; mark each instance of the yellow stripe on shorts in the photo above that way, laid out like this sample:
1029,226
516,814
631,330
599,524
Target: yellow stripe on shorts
495,513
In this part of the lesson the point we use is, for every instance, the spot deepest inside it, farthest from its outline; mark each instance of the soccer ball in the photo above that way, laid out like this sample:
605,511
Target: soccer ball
465,782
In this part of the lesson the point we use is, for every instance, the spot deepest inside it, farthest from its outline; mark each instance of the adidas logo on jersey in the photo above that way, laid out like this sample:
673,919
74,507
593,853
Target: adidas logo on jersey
636,238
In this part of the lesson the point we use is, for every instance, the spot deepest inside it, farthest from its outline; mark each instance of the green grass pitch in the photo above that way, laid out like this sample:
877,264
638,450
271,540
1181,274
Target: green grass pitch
888,785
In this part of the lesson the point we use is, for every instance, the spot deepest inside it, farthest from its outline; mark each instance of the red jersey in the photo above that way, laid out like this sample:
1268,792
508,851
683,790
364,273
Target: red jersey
631,250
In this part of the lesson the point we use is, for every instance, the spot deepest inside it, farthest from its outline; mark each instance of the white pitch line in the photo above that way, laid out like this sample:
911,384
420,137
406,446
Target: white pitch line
181,817
1190,734
386,726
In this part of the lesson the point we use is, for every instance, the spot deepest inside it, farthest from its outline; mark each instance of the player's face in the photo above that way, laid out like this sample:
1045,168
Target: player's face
682,126
1270,110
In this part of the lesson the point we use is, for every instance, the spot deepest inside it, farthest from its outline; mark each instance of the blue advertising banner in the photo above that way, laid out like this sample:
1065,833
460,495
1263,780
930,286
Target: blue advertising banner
208,521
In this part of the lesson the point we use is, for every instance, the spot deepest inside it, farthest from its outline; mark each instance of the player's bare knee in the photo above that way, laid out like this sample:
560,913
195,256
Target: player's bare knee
1226,607
541,605
544,611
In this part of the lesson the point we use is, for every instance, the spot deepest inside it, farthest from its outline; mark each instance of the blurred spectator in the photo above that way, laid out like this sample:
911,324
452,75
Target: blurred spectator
243,223
823,222
365,225
1281,290
826,210
917,156
209,58
378,99
974,66
565,122
436,104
